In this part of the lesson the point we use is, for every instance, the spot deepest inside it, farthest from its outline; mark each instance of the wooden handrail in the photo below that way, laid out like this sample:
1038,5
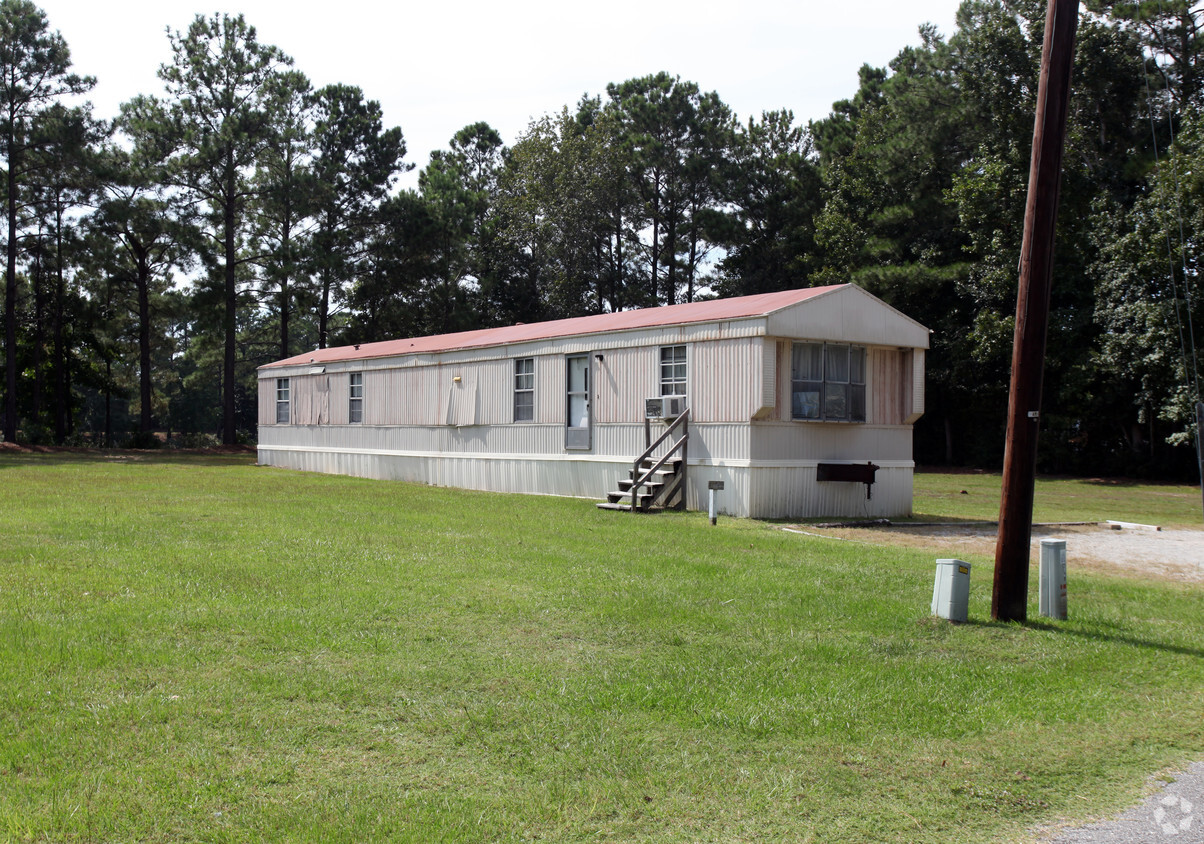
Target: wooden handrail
638,479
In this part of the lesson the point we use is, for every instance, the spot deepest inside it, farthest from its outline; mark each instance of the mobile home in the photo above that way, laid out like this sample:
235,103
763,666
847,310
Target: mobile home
800,403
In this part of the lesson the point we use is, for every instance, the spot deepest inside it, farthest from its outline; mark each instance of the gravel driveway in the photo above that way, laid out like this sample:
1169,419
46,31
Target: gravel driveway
1173,813
1173,554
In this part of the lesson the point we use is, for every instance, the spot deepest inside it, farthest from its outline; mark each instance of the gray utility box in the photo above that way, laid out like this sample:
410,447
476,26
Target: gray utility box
1052,574
951,592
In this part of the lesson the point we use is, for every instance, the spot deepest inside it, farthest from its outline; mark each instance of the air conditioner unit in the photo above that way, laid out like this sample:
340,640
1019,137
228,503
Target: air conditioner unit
664,407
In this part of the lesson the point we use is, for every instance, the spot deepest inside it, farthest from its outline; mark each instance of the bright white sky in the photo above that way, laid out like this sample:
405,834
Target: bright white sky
438,66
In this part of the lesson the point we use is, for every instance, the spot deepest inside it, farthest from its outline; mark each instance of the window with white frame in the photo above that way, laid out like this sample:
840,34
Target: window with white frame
673,370
282,416
355,400
827,382
524,390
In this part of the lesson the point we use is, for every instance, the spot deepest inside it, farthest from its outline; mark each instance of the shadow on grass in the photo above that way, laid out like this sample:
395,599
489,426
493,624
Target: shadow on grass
1125,483
59,457
1093,635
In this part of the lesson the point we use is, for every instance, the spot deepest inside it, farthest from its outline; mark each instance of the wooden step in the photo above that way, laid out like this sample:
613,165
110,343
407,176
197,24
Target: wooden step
643,498
651,486
672,467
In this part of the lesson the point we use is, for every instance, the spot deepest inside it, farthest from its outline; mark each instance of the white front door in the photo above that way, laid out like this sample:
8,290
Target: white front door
577,426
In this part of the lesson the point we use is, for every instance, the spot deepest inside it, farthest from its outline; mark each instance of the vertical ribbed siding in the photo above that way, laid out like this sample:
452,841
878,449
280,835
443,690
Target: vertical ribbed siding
916,409
404,396
885,383
495,391
550,385
785,387
769,376
340,392
309,396
794,493
830,441
725,379
622,380
267,400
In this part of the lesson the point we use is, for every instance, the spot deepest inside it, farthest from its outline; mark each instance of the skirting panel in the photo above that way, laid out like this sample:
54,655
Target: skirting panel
766,492
793,492
581,478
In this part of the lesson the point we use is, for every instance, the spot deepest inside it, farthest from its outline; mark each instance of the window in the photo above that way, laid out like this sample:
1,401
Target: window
355,402
828,382
524,390
673,370
282,401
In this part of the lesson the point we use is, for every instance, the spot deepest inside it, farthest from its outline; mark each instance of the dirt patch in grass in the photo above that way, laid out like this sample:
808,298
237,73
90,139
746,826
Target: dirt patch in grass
1173,554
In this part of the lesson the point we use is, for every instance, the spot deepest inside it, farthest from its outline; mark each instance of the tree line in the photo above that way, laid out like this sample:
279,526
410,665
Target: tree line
241,215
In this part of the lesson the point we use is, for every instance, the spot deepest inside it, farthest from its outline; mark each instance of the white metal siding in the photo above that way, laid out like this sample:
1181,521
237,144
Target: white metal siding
267,400
848,315
793,492
309,397
622,380
916,403
769,377
340,393
724,378
785,386
885,385
830,441
712,442
756,491
550,385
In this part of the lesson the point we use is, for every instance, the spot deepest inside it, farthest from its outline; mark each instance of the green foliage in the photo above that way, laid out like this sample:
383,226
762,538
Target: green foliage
284,222
34,67
217,125
565,201
676,138
773,187
1148,300
356,161
274,208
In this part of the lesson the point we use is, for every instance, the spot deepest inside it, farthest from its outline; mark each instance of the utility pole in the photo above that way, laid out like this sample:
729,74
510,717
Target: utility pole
1009,598
1200,441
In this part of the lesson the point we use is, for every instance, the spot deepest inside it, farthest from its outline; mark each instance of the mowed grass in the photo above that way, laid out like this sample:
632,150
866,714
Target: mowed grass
975,497
199,649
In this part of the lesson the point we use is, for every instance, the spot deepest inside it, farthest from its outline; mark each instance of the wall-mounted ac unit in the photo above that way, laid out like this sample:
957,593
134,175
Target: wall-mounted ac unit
664,407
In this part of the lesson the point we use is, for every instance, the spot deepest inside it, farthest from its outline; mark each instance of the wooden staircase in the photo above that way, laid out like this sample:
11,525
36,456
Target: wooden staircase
655,483
664,488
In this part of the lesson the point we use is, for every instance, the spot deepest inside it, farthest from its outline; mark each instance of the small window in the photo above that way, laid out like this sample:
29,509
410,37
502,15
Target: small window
355,402
673,370
828,382
282,417
524,390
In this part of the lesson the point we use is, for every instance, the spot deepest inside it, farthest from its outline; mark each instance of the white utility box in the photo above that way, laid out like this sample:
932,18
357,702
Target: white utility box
951,592
1052,574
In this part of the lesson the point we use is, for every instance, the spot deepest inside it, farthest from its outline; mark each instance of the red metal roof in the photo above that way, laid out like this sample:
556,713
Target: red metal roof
714,310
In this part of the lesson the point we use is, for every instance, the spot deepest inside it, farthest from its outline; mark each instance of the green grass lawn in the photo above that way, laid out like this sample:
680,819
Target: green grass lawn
976,497
199,649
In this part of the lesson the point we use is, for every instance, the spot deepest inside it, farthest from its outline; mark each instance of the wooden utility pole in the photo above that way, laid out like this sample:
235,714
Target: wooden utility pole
1009,598
1200,441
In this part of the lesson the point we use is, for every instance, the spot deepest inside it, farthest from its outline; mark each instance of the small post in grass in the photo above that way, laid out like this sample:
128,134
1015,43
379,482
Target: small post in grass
711,487
1051,601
